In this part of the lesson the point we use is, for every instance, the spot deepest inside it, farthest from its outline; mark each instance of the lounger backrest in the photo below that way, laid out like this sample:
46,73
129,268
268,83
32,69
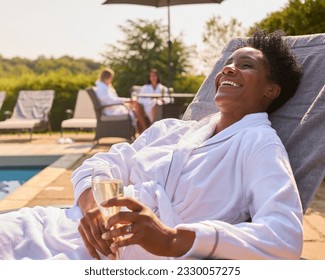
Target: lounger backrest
2,98
300,122
33,104
84,107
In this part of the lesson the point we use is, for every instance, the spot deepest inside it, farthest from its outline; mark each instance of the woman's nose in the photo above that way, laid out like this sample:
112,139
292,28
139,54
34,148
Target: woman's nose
229,69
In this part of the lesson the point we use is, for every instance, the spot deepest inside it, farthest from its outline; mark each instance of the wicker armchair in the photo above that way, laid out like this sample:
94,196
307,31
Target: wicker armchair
111,126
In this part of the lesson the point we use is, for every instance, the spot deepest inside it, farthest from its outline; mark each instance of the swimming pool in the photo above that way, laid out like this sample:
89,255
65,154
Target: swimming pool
16,170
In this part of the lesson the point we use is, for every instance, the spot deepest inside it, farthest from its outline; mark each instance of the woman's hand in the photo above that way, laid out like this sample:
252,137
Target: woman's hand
91,227
141,226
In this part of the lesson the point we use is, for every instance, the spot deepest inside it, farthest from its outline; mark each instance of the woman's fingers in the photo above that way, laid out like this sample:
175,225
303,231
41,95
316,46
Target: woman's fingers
122,218
92,251
92,229
119,231
128,202
127,241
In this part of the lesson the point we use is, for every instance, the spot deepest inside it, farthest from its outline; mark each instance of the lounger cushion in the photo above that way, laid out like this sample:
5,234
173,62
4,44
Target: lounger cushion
20,124
33,104
79,123
300,122
84,107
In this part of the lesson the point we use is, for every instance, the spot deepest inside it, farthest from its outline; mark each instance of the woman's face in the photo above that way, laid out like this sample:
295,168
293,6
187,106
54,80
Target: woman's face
242,86
153,78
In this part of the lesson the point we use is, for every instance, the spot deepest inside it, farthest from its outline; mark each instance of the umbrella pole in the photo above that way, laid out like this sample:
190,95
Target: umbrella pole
170,83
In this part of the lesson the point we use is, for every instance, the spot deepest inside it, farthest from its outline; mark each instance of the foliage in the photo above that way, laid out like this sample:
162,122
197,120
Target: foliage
298,17
42,65
216,35
188,83
64,75
145,47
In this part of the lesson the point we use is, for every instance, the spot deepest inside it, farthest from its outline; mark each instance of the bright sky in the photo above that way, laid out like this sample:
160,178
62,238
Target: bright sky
82,28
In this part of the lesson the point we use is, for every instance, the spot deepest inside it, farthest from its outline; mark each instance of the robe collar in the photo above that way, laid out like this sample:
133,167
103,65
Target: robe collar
199,135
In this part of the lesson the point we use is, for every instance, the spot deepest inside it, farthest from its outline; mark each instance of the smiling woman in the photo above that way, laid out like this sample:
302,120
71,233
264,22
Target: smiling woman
196,184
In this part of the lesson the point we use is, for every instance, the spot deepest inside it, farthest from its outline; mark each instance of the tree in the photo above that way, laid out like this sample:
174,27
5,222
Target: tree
298,17
217,33
144,47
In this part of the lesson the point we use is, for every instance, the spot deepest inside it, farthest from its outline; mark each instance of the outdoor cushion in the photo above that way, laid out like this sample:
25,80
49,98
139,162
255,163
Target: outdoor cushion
33,104
79,123
84,115
19,124
31,111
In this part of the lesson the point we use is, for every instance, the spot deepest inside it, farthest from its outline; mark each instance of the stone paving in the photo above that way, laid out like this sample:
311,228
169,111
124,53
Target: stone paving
54,188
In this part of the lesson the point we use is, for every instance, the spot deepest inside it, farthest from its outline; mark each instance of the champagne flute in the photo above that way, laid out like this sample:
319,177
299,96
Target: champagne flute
106,184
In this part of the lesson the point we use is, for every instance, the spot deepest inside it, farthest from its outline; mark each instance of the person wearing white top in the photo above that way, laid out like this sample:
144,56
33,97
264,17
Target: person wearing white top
153,86
107,95
199,183
221,187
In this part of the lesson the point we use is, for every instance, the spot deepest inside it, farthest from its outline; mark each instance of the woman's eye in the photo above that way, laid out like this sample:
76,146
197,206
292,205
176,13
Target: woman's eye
246,65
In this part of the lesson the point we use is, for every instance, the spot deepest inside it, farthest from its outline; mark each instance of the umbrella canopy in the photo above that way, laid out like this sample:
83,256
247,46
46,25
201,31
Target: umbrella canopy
163,3
160,3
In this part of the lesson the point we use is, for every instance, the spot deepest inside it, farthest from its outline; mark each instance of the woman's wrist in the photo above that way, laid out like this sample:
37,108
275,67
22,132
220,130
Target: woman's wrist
86,201
181,241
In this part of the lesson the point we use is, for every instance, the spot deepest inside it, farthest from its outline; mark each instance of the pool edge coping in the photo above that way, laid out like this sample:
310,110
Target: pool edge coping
31,188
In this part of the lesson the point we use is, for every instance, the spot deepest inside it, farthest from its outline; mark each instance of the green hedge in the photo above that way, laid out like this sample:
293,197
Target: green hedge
65,85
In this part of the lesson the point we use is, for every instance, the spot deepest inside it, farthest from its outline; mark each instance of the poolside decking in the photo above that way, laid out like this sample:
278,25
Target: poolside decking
53,186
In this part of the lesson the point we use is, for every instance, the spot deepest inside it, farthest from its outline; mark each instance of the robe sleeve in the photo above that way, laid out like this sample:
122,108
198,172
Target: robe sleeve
273,204
120,154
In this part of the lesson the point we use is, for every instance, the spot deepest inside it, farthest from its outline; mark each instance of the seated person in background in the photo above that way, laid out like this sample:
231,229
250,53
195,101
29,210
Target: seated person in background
197,183
153,86
107,95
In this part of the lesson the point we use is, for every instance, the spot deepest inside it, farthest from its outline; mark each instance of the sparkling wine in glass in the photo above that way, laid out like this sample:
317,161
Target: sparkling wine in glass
106,184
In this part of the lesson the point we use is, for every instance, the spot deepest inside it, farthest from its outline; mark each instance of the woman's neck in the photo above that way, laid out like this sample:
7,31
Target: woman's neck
225,121
154,85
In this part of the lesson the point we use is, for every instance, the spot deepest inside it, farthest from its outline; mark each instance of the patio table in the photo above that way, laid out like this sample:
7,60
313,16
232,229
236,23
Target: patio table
167,110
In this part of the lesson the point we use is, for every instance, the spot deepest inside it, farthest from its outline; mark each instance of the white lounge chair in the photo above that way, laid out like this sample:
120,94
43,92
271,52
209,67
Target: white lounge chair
31,111
84,115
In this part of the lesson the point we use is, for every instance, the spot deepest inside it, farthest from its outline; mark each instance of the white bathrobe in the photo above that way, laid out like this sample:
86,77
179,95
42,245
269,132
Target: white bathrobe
211,185
107,96
149,103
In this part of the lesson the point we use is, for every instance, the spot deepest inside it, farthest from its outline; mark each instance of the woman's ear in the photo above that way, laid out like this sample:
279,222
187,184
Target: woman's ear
273,91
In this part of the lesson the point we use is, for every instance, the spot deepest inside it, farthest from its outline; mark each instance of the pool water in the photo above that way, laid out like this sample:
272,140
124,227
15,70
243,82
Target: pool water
13,177
19,173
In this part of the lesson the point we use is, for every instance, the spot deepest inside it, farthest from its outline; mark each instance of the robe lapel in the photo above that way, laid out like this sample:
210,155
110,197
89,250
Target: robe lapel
193,138
199,136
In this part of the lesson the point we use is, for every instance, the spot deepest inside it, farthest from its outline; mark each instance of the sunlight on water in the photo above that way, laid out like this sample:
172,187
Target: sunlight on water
12,178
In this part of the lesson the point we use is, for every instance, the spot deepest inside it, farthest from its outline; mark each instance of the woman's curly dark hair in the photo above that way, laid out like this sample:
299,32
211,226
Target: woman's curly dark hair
284,68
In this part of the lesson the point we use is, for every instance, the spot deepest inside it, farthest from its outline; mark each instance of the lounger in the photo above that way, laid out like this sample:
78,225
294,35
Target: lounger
299,123
84,115
111,126
30,112
2,98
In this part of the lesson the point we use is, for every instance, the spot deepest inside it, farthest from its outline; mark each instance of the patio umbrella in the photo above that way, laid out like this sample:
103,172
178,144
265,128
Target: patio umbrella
163,3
